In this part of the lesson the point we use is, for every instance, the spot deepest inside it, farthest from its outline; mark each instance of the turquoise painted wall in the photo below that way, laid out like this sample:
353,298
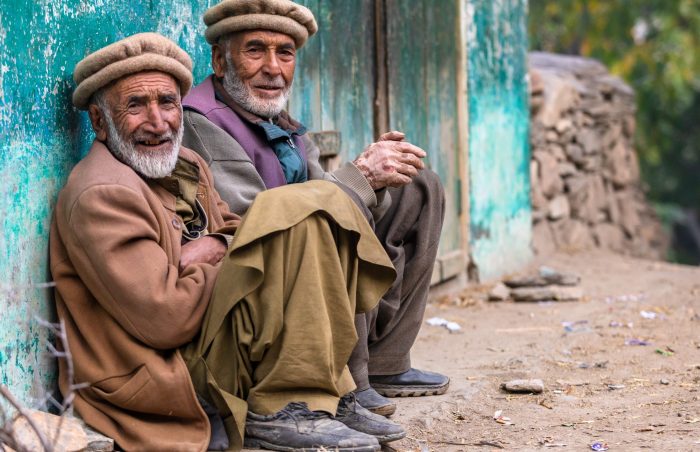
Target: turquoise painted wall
500,226
42,137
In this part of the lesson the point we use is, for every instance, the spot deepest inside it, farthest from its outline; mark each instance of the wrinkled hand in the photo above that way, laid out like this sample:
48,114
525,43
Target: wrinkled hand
207,250
390,162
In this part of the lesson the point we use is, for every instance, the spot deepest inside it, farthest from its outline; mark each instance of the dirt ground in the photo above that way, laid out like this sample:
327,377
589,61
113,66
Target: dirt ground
597,389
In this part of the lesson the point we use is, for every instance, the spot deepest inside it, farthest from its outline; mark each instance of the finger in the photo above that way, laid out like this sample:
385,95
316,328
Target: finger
394,135
411,159
407,170
406,147
398,180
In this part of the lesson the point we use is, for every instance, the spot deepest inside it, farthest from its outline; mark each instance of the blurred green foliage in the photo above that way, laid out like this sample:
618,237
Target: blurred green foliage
654,45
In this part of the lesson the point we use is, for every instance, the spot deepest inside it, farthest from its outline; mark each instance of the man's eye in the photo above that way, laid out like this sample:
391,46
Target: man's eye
133,107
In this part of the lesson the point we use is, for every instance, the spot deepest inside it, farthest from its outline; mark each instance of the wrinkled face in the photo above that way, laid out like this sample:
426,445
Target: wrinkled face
257,68
140,119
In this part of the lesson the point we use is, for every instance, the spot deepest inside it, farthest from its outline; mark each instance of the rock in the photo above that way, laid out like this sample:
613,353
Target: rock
557,152
558,208
563,125
73,436
566,169
609,236
543,239
575,153
551,136
559,97
629,216
589,139
664,381
550,182
547,293
535,386
499,292
618,166
572,235
546,276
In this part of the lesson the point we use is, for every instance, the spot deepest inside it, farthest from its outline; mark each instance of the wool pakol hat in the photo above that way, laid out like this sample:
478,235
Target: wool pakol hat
283,16
137,53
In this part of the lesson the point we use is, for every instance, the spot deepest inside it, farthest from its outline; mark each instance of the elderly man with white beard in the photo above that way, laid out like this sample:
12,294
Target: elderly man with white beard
191,329
236,121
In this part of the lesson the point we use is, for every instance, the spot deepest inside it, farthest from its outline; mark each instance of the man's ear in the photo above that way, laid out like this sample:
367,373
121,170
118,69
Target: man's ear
218,60
99,122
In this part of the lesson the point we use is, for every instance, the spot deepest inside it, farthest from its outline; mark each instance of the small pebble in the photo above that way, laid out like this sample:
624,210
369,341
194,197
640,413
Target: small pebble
664,381
535,386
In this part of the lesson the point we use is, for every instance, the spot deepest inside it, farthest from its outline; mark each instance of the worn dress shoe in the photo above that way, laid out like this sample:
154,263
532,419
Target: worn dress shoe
358,418
296,428
374,402
412,383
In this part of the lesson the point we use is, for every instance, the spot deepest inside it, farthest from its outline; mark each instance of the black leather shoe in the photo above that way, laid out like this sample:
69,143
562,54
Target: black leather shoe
296,428
374,402
360,419
412,383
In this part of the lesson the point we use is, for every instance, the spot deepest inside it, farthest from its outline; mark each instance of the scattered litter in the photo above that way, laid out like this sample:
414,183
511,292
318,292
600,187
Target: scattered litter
626,298
579,326
498,417
598,365
650,315
668,351
616,324
439,321
635,341
615,387
664,381
599,447
535,386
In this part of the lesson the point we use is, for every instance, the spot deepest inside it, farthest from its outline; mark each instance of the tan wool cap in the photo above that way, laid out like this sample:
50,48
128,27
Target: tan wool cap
283,16
137,53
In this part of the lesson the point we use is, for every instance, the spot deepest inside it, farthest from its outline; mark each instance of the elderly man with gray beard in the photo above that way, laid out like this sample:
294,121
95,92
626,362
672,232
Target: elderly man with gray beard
236,121
191,329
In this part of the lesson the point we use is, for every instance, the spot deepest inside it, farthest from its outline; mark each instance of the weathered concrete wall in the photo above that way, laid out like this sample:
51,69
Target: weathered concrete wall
41,138
500,214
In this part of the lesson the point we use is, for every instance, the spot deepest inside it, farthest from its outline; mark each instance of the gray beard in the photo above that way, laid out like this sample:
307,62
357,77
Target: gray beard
152,165
239,92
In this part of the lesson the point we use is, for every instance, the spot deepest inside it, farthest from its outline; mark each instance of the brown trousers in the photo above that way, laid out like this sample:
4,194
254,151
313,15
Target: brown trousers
410,233
280,324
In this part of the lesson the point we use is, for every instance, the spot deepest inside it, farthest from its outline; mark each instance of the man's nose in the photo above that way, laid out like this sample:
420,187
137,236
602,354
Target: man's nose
271,65
156,123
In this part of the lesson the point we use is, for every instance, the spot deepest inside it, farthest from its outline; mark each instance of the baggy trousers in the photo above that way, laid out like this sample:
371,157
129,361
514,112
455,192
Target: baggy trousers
410,233
280,325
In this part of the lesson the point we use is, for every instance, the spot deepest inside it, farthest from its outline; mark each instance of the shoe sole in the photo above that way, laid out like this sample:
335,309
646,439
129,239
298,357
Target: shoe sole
410,391
386,410
389,438
253,443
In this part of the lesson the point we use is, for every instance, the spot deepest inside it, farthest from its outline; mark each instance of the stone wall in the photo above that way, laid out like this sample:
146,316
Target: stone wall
586,188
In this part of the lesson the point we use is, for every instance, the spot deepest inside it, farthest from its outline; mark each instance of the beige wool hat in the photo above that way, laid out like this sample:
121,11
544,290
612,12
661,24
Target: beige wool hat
137,53
283,16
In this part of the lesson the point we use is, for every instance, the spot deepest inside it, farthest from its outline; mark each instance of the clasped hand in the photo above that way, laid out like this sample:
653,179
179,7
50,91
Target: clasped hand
390,162
207,250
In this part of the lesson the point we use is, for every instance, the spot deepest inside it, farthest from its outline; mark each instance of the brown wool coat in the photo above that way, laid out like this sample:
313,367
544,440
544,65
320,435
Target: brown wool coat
115,248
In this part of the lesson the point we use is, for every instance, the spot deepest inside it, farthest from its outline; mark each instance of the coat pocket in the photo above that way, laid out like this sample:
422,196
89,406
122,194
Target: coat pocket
120,390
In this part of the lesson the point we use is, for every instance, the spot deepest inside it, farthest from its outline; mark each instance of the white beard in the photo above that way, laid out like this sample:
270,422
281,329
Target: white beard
239,92
152,165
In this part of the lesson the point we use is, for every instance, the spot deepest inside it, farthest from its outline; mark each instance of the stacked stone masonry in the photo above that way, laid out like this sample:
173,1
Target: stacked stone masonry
586,187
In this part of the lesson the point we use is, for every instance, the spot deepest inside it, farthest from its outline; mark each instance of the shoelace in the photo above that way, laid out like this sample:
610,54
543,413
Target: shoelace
294,409
349,400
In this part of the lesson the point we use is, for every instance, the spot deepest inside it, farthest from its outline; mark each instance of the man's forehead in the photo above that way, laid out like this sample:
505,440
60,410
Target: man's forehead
151,82
268,37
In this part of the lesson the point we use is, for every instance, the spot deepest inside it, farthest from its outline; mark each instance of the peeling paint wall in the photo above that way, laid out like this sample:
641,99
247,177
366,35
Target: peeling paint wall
500,214
42,137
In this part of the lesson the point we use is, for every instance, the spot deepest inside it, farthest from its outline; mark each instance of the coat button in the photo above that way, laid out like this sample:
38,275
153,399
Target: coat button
176,223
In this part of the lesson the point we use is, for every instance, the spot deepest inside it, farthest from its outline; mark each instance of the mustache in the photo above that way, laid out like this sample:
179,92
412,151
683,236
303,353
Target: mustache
145,136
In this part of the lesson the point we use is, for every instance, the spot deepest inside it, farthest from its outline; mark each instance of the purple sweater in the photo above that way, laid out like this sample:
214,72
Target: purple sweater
202,99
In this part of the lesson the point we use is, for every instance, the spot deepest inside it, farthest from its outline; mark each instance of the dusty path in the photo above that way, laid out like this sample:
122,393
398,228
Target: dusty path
501,341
